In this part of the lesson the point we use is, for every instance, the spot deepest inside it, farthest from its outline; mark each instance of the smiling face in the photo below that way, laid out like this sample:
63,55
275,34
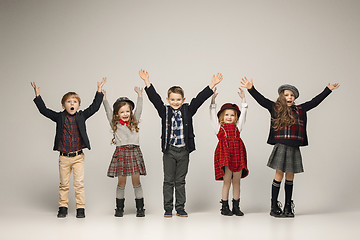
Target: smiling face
125,112
175,100
71,105
229,116
289,97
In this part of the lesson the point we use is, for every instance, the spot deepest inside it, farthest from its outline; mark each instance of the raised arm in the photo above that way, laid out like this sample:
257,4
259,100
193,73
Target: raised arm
41,105
213,117
320,97
36,89
145,76
264,102
216,79
107,107
139,103
244,107
95,105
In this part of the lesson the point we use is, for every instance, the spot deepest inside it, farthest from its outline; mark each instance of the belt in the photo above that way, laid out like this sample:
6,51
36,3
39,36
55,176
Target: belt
71,154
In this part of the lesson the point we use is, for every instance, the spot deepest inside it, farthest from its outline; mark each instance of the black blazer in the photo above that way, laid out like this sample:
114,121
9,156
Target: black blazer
187,112
59,118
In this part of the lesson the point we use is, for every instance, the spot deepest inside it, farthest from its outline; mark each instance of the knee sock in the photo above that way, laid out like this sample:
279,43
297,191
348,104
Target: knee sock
120,192
288,191
138,192
275,188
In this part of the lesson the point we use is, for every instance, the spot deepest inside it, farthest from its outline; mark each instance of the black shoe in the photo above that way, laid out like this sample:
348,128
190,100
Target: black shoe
119,211
225,210
236,209
168,213
276,209
181,212
140,211
289,209
80,212
62,212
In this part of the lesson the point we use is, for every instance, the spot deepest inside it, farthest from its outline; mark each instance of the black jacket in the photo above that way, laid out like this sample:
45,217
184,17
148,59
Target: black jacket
59,118
187,112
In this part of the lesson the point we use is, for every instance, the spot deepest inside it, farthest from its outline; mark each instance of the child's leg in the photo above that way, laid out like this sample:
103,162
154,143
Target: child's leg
64,175
236,184
227,183
289,179
169,166
137,186
78,173
276,184
181,170
120,189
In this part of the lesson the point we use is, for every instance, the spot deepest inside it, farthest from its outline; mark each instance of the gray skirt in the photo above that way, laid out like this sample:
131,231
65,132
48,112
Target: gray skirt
286,158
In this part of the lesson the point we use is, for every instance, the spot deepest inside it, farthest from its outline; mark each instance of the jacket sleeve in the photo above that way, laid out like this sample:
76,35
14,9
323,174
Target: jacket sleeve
264,102
95,105
155,99
200,99
44,110
316,100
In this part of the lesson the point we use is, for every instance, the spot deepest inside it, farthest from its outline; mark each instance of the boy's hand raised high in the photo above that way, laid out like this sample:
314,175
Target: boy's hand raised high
36,89
145,76
216,80
101,84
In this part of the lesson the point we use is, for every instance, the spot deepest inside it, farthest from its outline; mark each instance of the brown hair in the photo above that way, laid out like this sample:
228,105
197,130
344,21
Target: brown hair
70,95
133,124
176,89
283,114
222,114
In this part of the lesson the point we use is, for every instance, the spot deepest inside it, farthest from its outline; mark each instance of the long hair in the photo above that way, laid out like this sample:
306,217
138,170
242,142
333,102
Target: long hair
133,124
222,114
283,114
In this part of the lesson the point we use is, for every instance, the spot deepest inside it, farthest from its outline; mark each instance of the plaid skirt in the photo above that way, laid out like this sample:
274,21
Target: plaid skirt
126,161
286,158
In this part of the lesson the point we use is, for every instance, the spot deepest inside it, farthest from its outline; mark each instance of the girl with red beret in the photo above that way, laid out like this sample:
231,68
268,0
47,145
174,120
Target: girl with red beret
230,154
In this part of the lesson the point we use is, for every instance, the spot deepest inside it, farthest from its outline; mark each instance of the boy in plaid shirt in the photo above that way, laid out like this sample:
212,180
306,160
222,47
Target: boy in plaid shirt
70,139
177,138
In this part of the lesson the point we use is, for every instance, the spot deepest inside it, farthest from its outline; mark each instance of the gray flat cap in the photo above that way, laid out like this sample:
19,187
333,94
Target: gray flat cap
289,87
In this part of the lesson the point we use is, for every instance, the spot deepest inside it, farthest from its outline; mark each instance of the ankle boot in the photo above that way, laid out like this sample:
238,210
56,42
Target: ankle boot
140,211
225,210
119,211
289,209
275,208
236,209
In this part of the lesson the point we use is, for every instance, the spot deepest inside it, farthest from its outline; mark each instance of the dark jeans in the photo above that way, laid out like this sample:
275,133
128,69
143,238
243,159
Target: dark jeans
175,163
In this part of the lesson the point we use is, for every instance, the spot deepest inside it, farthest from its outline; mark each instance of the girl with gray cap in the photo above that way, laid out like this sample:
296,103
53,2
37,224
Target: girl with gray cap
287,134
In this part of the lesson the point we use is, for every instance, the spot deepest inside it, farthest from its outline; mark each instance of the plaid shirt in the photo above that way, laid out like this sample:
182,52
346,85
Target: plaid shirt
296,130
177,130
70,140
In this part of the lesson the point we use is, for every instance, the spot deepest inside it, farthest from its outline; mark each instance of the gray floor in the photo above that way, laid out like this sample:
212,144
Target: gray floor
199,225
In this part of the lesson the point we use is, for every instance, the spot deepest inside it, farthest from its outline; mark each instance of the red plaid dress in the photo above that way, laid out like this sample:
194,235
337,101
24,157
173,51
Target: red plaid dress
230,151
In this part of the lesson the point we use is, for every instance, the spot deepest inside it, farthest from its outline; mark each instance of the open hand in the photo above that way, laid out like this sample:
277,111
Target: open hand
36,89
138,91
216,79
245,83
145,76
101,84
333,86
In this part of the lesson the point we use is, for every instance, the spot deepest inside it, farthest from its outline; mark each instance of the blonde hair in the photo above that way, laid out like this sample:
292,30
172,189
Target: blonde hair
283,114
133,124
222,114
70,95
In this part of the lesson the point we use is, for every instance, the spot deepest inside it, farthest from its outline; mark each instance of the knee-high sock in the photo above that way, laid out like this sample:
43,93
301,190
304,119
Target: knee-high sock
138,192
275,188
288,190
120,192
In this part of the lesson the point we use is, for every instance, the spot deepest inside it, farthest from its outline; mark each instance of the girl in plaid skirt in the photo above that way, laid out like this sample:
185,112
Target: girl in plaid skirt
127,159
287,134
230,154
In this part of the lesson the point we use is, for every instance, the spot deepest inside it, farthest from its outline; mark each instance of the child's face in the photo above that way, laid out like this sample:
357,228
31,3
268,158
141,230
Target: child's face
289,97
229,116
175,100
71,105
124,112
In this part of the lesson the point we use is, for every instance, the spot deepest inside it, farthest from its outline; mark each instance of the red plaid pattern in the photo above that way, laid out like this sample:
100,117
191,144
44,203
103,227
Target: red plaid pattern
230,151
70,140
126,161
295,131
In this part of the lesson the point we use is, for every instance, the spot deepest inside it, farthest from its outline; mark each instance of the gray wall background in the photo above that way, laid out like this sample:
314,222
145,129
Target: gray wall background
70,45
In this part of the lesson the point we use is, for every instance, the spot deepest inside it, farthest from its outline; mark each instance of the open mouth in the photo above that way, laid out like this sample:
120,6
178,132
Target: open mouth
72,108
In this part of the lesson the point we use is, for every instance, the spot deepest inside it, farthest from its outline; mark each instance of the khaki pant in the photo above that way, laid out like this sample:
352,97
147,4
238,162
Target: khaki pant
76,165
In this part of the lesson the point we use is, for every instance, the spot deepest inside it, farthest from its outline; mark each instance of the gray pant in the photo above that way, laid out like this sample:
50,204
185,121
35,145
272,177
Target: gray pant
175,163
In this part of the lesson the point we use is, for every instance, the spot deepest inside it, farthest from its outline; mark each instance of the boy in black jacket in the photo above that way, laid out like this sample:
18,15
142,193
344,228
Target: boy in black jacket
177,138
70,139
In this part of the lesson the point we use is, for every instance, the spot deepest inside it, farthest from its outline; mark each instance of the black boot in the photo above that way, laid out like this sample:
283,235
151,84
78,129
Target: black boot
62,212
119,211
236,209
80,212
225,210
140,211
275,208
289,209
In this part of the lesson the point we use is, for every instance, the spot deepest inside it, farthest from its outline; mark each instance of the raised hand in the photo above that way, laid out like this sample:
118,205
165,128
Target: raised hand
104,92
216,79
242,95
36,89
245,83
101,84
138,91
214,96
333,86
145,76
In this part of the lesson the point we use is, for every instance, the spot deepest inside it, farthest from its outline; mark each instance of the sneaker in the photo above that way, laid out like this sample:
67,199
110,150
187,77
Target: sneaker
62,212
80,212
168,213
181,213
